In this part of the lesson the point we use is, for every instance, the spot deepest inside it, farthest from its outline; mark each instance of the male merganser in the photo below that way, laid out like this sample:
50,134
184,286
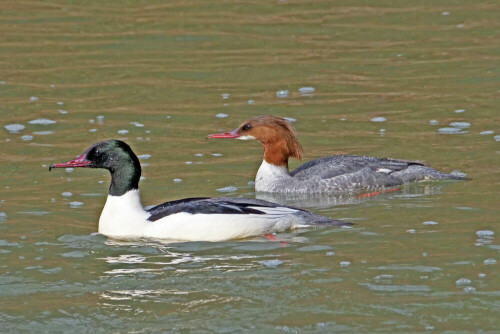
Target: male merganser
189,219
333,174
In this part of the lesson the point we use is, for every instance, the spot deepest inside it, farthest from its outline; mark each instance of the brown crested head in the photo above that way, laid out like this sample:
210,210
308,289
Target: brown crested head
275,134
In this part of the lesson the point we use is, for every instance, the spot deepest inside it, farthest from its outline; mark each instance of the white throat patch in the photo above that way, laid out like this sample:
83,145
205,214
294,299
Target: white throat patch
246,138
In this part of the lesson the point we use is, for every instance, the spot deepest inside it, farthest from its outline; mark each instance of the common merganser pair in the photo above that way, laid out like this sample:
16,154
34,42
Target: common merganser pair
215,219
189,219
329,175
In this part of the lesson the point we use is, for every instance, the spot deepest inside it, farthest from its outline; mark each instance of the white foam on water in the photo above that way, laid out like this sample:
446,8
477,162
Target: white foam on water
271,263
42,121
460,125
227,189
14,128
27,137
282,94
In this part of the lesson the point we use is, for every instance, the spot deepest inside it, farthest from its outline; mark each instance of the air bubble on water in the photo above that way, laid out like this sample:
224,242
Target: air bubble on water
188,162
27,137
460,26
378,119
227,189
43,133
497,138
92,130
271,263
330,253
251,101
460,125
122,132
33,98
137,124
225,96
469,289
198,155
76,204
144,156
489,261
177,180
91,121
485,233
67,194
344,264
487,132
217,154
61,111
383,277
430,222
42,121
282,94
445,13
14,128
481,275
307,90
451,131
411,231
459,111
433,122
463,281
60,103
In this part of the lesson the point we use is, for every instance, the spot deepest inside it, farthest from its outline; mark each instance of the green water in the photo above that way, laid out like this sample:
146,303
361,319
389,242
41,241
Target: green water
167,66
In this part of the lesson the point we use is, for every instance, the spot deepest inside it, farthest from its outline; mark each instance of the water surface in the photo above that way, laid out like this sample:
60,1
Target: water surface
358,78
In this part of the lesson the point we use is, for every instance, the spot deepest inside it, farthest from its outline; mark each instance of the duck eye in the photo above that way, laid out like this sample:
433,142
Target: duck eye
247,126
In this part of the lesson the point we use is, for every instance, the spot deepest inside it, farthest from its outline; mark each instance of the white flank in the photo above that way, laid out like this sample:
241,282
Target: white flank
124,217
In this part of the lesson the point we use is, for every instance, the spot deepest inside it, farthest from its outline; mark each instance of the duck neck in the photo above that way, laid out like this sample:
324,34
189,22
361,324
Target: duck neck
125,177
276,153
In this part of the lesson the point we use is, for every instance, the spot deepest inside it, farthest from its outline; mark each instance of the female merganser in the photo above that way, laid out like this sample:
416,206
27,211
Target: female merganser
189,219
333,174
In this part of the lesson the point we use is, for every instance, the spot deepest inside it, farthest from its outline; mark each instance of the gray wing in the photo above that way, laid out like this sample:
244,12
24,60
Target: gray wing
332,166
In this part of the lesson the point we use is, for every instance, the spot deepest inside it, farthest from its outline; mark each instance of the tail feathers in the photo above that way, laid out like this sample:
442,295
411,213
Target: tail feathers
311,219
417,172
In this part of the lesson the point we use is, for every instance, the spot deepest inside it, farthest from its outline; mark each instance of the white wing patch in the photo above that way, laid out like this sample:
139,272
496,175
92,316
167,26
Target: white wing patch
384,170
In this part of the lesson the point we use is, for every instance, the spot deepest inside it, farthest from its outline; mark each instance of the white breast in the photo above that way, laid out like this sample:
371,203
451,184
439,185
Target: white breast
123,215
271,177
